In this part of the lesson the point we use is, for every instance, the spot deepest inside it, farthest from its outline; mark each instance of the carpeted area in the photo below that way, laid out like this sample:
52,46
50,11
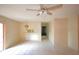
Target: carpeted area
37,48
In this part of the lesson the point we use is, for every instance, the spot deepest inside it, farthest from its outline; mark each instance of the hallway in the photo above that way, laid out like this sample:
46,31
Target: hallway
37,48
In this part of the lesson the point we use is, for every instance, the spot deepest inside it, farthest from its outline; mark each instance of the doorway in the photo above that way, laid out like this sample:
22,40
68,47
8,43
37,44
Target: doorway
1,36
61,33
44,31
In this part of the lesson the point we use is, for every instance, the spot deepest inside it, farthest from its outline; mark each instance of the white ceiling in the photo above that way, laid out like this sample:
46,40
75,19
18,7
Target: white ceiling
18,12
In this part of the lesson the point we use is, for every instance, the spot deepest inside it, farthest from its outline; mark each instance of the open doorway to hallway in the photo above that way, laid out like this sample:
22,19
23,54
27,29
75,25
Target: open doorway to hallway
45,31
1,36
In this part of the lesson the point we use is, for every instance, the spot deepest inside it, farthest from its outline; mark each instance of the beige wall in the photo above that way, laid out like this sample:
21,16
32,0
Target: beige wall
11,32
36,26
78,32
70,11
60,33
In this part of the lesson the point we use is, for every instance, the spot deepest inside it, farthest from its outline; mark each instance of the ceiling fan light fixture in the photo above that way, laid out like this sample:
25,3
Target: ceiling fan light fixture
41,13
46,10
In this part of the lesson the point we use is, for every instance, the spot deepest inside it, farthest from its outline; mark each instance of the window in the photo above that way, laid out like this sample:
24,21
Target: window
1,36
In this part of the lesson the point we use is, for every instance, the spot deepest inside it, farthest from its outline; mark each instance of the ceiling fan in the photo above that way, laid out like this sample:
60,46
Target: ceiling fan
46,10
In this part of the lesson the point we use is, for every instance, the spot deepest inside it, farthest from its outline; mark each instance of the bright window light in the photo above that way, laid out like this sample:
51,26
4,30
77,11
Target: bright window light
1,36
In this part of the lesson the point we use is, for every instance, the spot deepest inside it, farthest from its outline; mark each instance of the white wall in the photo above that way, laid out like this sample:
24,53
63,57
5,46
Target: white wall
51,32
73,33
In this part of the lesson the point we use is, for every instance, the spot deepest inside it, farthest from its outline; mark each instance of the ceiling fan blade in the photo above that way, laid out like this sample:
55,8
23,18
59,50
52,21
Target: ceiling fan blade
38,14
49,13
32,10
55,7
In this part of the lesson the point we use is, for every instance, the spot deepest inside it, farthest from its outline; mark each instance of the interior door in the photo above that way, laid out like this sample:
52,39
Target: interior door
1,36
60,33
